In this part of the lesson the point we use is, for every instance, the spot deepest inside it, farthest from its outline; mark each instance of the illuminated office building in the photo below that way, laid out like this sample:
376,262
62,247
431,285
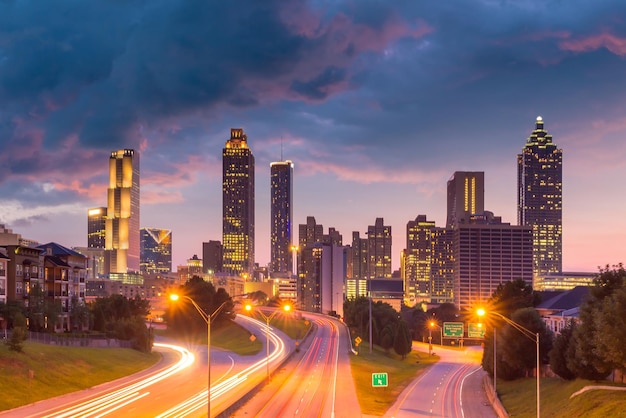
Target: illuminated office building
417,260
540,196
96,227
379,250
122,221
156,250
466,196
488,253
281,214
238,205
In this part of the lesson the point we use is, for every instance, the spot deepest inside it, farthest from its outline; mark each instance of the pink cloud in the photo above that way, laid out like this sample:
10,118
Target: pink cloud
591,43
161,196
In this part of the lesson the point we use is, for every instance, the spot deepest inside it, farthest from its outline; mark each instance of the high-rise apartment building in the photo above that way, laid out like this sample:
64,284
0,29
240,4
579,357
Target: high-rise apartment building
466,196
358,276
281,214
540,198
488,253
238,205
122,221
417,260
442,268
96,227
379,250
156,250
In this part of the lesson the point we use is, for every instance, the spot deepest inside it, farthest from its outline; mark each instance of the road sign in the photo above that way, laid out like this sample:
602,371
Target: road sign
475,330
357,341
453,329
379,380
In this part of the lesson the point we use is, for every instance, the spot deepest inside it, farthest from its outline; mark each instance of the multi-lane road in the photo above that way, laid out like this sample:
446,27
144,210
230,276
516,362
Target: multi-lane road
450,388
314,382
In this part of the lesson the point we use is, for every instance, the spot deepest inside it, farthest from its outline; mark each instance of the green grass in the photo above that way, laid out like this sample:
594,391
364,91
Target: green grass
375,400
59,370
519,398
227,336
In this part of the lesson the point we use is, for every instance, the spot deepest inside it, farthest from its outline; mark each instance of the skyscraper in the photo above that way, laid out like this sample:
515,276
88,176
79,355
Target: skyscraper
212,257
417,260
122,222
238,205
540,197
379,250
466,196
156,250
96,227
281,213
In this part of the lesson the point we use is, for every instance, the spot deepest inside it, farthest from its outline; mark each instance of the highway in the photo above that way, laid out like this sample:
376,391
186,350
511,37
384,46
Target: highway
317,382
176,387
450,388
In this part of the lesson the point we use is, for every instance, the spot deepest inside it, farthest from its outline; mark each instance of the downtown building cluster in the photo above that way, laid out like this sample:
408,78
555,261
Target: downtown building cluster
461,262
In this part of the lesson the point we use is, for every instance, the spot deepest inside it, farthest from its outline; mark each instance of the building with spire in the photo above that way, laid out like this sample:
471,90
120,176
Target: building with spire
238,205
540,198
281,214
122,221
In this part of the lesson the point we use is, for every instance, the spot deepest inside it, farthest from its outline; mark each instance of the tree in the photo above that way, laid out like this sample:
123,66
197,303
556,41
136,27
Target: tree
559,353
610,325
587,356
387,336
403,343
79,313
518,350
511,296
18,334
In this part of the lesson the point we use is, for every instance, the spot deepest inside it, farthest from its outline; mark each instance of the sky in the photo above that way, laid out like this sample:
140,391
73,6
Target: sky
377,103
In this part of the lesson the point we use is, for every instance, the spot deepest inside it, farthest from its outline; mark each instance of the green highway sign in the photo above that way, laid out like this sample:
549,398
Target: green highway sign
379,380
453,329
475,330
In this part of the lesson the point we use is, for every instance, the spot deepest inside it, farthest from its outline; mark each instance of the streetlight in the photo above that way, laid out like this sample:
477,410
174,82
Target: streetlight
528,334
207,318
435,324
285,308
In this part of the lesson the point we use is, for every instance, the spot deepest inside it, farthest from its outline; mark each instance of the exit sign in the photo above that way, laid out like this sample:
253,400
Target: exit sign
379,380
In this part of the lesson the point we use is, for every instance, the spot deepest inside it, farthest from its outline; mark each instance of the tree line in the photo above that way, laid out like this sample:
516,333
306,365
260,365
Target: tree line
113,317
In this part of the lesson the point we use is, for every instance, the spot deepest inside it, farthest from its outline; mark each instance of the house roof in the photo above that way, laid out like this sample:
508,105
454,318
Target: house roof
565,300
58,249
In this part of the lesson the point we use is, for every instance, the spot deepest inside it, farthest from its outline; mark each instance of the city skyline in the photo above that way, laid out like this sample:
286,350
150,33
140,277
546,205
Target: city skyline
376,105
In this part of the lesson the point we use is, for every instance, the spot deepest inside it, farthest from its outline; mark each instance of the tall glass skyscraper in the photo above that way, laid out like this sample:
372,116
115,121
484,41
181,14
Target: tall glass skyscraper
96,227
122,222
156,250
281,213
238,205
540,198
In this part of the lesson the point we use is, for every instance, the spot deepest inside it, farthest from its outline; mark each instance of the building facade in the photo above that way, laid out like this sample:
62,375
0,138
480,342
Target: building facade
488,253
417,260
122,220
212,256
96,227
540,198
379,250
281,217
156,250
238,205
466,196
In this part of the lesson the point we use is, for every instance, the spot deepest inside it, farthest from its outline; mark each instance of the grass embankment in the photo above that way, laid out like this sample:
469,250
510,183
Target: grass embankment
519,399
60,370
377,400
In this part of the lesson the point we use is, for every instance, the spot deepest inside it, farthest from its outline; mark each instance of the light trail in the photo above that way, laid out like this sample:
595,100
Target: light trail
116,399
199,400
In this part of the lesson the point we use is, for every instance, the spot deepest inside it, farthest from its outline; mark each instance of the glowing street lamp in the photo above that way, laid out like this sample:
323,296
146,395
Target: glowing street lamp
285,308
528,334
207,318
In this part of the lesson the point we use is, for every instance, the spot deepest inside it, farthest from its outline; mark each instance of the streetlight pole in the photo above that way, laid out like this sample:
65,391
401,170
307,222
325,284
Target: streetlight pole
207,319
528,334
285,308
